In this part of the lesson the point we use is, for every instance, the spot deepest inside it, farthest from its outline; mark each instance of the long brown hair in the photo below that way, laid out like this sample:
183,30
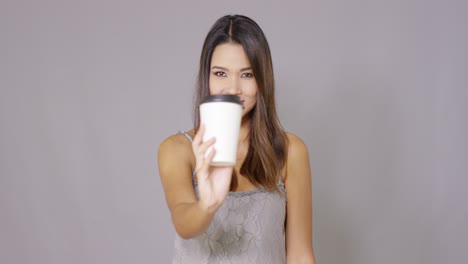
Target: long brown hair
267,152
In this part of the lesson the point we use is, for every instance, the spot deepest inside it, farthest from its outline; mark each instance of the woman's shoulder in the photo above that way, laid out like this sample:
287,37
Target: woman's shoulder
294,142
180,137
297,149
297,164
177,143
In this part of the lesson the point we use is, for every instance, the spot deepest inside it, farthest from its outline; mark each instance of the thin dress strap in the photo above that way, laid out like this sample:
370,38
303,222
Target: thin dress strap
186,135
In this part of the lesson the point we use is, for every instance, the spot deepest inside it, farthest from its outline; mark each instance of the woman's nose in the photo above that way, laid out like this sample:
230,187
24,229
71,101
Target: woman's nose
234,87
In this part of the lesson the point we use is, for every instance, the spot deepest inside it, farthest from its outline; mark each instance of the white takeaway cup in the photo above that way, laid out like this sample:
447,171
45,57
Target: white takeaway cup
221,114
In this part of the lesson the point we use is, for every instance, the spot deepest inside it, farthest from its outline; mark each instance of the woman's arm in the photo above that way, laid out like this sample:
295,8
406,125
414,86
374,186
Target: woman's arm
175,159
299,204
192,216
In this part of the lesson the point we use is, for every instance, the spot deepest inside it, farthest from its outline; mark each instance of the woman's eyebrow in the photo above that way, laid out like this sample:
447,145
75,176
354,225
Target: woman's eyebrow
219,68
226,69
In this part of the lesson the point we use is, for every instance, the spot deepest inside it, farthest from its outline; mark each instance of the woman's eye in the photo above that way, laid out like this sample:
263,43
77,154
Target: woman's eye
247,75
220,74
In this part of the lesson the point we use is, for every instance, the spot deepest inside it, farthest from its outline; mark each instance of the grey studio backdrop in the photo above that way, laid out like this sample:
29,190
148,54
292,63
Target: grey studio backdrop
89,89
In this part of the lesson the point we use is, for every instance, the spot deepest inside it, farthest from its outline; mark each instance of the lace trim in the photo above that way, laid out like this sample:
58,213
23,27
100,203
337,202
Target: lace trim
246,193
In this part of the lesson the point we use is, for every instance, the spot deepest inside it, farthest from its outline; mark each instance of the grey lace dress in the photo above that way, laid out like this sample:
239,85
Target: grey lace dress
248,228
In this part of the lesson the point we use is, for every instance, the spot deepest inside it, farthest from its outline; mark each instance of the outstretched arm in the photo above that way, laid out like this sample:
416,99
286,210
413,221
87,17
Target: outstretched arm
192,216
175,171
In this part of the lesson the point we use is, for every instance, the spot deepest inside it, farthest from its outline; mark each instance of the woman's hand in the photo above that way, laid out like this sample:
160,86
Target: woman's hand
213,182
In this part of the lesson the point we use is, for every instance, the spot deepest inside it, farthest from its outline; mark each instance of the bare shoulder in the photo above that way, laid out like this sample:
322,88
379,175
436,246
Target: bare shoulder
177,147
297,159
296,148
174,142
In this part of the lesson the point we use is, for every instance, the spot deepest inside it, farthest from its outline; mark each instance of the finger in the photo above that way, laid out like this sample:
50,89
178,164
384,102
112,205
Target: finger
200,154
206,164
210,156
197,140
207,144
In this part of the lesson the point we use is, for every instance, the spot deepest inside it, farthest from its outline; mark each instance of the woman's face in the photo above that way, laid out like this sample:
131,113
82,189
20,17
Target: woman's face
231,73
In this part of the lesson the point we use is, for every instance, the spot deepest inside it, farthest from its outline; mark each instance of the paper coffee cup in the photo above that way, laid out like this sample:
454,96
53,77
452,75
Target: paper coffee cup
221,114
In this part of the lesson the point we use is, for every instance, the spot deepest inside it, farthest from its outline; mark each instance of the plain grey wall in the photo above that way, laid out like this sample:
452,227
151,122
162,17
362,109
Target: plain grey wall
89,89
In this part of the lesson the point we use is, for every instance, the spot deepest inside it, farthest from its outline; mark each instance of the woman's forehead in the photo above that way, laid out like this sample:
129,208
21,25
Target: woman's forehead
231,56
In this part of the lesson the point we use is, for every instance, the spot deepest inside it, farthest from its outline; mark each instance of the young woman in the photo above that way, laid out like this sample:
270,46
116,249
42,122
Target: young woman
260,210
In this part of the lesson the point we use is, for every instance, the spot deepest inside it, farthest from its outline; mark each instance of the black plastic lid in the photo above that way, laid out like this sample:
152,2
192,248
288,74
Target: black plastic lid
229,98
